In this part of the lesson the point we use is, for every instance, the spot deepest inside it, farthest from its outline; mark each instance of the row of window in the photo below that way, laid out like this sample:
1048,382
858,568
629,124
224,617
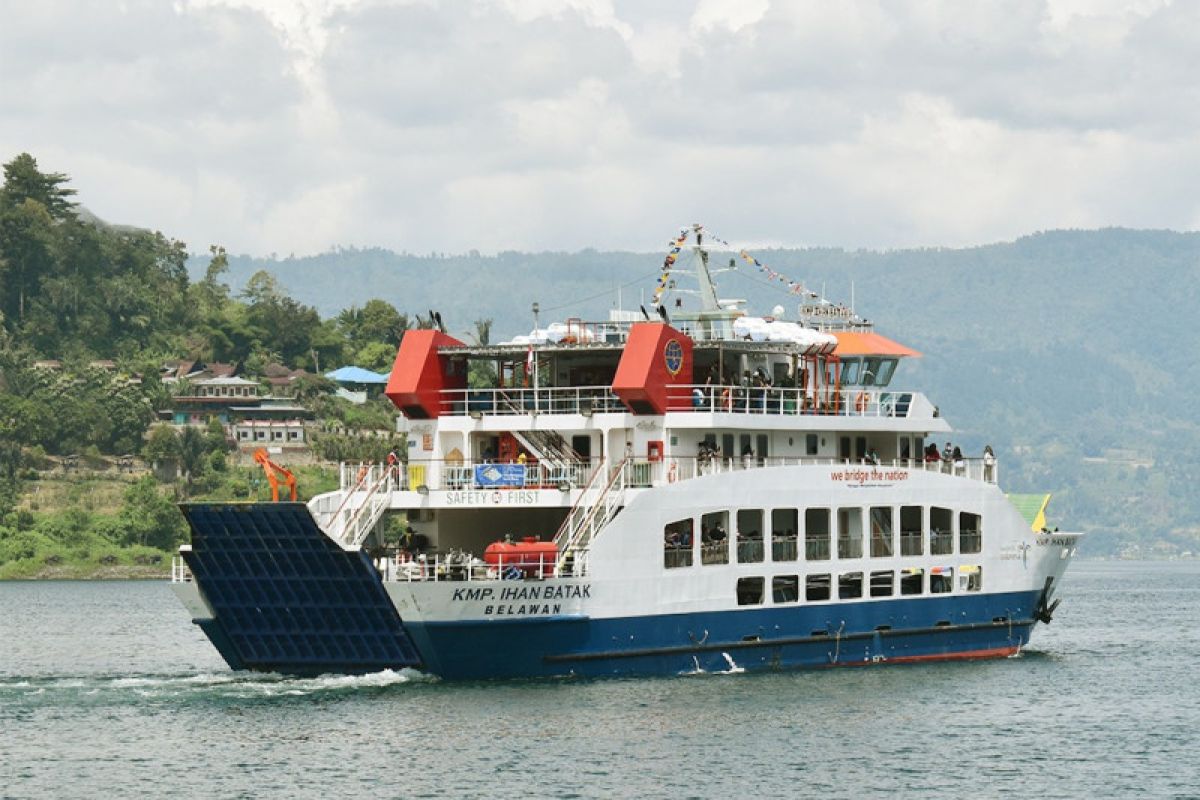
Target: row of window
751,591
261,435
228,391
851,529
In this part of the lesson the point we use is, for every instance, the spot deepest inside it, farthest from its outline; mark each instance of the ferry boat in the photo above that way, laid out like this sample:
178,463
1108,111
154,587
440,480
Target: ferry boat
682,490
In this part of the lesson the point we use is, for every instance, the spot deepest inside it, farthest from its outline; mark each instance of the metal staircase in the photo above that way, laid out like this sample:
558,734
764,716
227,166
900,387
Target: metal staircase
598,504
548,447
361,507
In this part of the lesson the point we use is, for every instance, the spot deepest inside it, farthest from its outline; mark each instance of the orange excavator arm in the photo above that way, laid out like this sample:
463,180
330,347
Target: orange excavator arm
274,473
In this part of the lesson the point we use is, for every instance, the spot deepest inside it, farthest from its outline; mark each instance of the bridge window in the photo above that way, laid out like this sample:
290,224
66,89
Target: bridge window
851,369
970,578
941,537
850,533
783,534
749,535
816,587
749,591
881,532
677,544
785,589
714,538
816,534
850,585
970,533
941,580
883,373
912,581
883,583
911,518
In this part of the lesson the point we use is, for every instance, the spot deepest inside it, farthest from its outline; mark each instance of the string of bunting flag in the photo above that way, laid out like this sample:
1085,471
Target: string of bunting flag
793,286
672,255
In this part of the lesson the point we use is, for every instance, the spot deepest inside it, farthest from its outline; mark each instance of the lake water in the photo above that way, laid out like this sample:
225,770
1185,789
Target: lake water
107,690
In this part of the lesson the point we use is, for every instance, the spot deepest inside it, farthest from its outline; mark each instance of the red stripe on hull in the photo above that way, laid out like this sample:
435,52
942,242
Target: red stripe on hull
971,655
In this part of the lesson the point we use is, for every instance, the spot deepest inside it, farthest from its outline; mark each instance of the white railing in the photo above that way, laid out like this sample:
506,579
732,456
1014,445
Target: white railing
598,503
362,505
180,573
644,474
440,474
844,402
698,398
545,400
454,566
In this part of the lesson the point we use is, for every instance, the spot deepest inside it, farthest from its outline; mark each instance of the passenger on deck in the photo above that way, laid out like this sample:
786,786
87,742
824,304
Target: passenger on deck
989,463
873,457
931,453
960,464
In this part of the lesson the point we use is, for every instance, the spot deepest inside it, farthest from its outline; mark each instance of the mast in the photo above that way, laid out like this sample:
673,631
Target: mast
708,290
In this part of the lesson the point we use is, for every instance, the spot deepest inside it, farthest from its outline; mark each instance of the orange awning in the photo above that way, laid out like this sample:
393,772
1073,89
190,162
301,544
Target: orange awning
855,343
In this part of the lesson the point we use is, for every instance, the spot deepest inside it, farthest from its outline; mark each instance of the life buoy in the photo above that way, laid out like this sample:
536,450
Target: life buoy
861,401
672,472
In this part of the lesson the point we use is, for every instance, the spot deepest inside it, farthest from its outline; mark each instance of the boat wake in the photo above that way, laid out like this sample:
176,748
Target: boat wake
733,669
231,685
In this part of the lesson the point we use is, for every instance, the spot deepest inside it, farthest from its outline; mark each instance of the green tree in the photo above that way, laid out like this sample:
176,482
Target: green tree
193,456
161,444
149,518
377,356
24,181
25,237
214,437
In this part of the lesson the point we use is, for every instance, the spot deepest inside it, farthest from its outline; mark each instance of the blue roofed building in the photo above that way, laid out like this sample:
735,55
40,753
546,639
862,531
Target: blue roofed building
357,384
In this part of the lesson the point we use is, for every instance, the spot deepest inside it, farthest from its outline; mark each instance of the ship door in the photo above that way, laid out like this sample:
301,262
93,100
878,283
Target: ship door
761,451
582,445
844,448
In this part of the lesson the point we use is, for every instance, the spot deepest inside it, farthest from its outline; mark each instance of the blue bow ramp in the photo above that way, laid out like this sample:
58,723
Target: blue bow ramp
286,598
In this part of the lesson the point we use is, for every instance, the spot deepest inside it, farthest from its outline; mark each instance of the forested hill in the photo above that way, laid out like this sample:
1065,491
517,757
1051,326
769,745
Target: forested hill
1072,352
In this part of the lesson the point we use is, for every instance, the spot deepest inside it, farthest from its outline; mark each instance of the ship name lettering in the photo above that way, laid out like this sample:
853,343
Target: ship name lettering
516,611
473,594
1057,541
545,592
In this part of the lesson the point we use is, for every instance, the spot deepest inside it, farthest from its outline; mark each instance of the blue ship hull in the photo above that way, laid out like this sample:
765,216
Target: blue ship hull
846,634
287,599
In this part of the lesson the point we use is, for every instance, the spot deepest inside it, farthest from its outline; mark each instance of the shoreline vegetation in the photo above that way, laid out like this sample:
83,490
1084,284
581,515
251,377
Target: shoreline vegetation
86,524
96,321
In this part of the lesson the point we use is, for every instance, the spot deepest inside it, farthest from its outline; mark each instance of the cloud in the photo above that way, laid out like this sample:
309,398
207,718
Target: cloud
495,124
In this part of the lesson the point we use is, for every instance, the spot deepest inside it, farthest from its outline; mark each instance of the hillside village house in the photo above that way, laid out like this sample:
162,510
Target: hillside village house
250,419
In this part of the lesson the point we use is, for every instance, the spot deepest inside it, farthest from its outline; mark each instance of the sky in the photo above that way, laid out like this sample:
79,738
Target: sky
295,127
